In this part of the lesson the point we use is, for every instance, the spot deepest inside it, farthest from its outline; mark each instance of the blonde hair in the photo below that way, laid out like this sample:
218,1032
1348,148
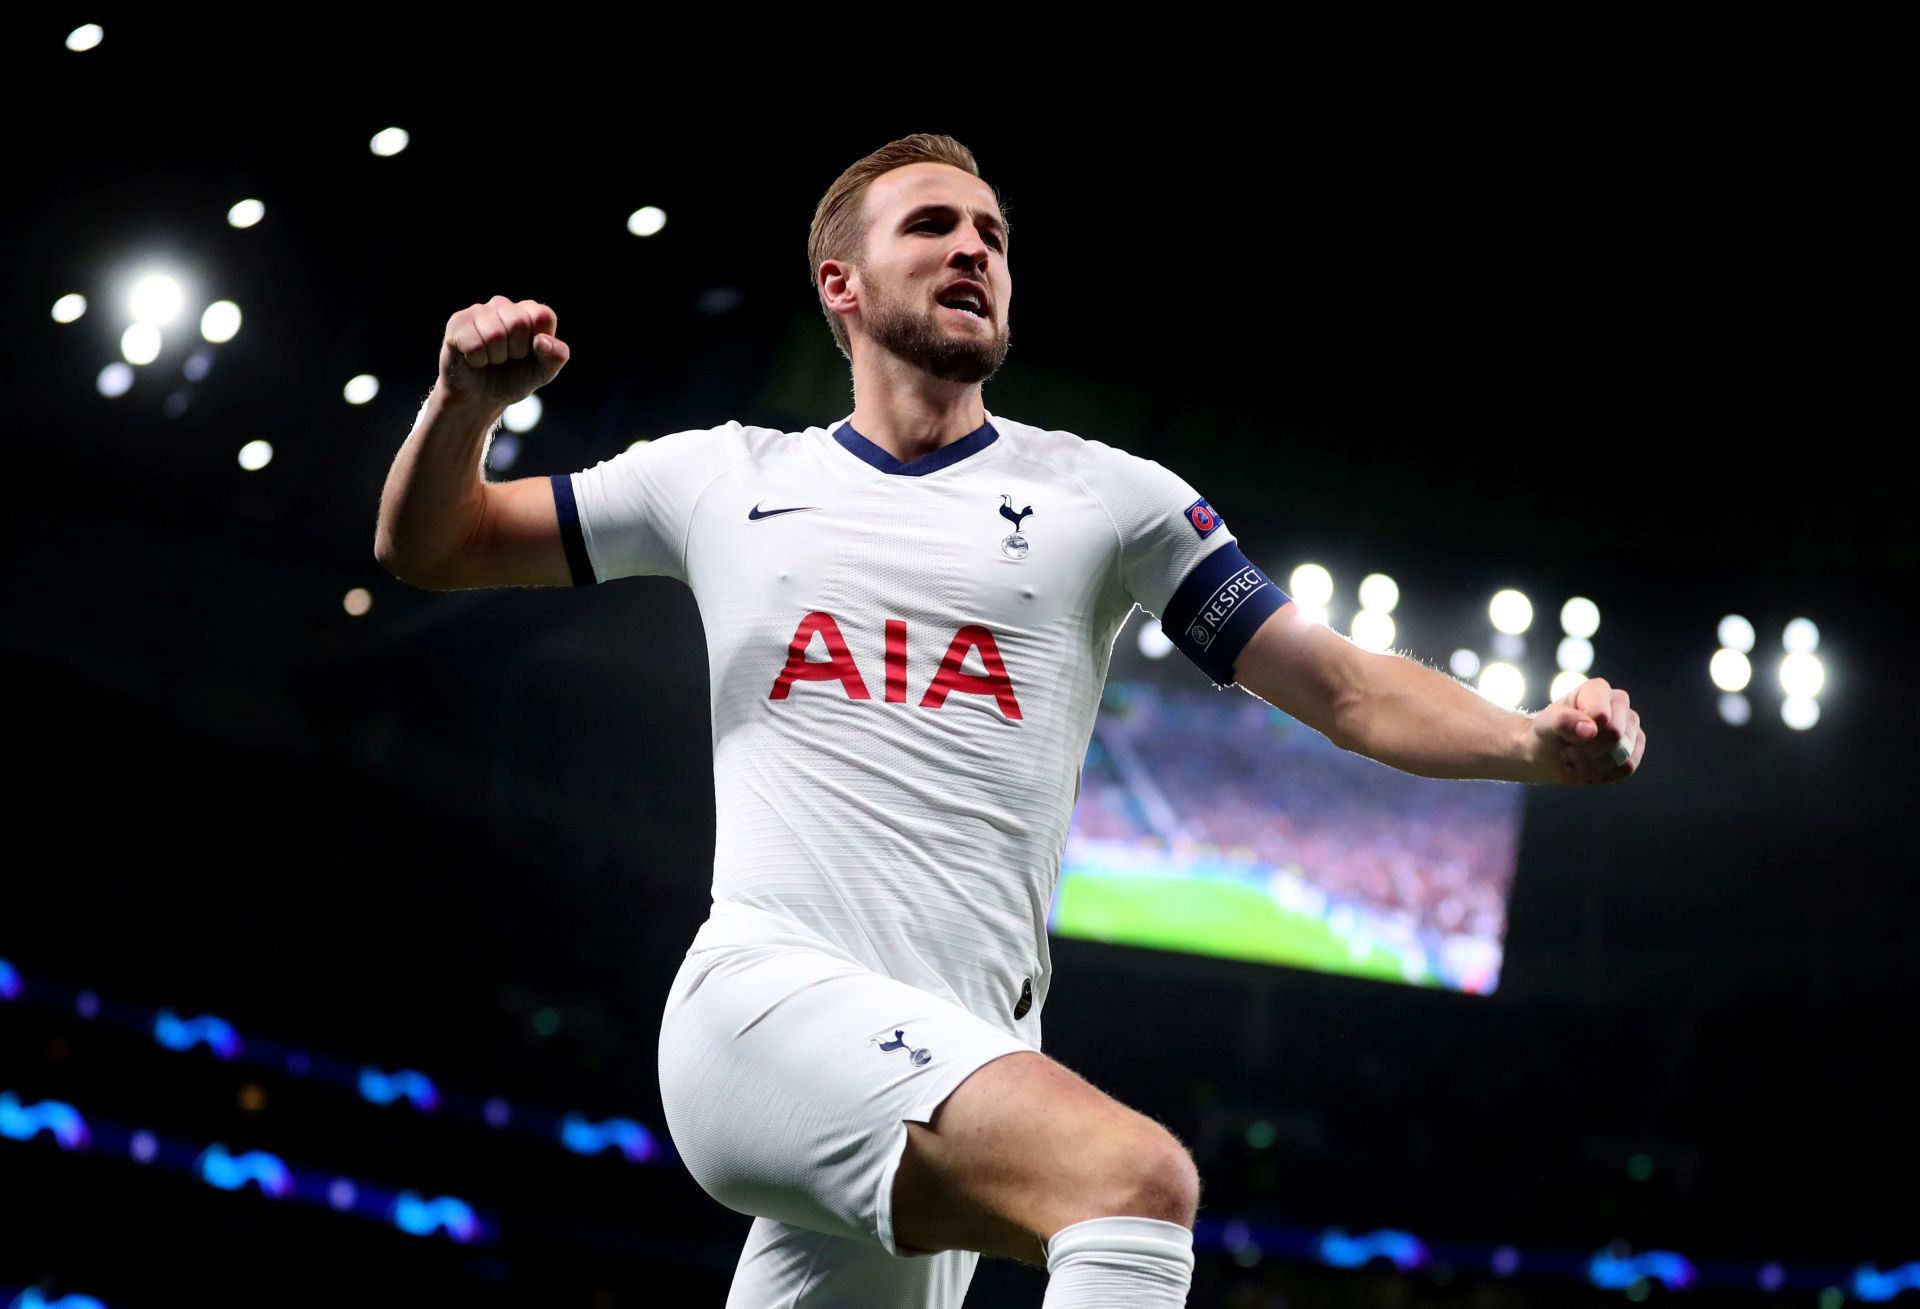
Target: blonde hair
839,230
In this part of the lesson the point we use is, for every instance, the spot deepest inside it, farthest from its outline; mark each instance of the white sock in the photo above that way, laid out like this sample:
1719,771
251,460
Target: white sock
1141,1263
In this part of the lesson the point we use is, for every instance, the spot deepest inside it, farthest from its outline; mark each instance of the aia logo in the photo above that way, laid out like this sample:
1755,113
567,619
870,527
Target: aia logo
950,679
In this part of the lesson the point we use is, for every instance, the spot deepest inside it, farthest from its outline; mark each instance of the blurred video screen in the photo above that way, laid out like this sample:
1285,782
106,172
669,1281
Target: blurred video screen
1210,822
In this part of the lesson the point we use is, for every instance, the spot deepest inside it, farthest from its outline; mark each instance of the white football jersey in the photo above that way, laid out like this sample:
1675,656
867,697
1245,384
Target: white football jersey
906,662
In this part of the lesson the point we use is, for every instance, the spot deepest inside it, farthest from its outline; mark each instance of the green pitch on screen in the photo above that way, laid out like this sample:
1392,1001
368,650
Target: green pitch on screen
1201,915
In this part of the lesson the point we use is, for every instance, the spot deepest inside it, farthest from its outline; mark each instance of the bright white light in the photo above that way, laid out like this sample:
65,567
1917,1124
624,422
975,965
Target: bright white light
115,379
221,322
1378,591
1565,684
637,444
69,308
1735,709
140,343
1736,633
647,221
1580,617
1575,654
1503,684
85,38
357,601
362,389
246,213
1511,612
1314,613
1311,585
1465,664
255,455
1154,643
1799,712
521,417
1730,670
156,299
1802,675
1373,630
389,142
1801,636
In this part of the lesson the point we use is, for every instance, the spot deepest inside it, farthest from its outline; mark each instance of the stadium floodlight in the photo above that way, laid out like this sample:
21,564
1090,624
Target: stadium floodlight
246,213
1735,709
69,308
1465,664
1565,682
1511,612
362,388
156,298
1736,633
114,380
389,142
357,601
255,455
1503,684
1801,636
502,451
221,322
85,37
646,220
1730,670
1580,617
1154,643
1378,591
523,416
1575,654
1802,675
1313,613
1373,630
1800,712
1311,585
140,344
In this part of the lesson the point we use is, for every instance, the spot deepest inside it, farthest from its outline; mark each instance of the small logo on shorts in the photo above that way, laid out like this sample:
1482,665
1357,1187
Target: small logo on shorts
899,1042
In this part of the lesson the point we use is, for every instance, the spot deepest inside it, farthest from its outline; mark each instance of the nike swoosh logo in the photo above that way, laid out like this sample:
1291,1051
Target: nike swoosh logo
756,513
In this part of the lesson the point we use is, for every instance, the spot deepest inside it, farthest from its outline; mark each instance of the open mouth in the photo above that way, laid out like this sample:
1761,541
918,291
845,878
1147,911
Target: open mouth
964,302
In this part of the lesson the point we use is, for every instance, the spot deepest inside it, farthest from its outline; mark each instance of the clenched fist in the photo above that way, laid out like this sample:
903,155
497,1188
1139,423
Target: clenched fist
499,353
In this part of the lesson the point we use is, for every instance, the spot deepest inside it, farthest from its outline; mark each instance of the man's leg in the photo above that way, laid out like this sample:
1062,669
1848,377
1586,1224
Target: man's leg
1028,1161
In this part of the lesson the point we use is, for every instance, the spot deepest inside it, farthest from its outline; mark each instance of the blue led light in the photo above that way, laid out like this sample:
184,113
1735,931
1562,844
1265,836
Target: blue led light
1872,1285
23,1122
32,1299
378,1088
215,1033
9,981
1342,1251
583,1137
1610,1272
229,1172
419,1217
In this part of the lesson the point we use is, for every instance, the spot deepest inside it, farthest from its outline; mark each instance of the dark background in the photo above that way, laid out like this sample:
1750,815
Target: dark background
1612,322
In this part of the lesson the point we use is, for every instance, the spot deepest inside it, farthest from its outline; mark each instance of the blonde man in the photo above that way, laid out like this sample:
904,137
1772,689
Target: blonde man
909,614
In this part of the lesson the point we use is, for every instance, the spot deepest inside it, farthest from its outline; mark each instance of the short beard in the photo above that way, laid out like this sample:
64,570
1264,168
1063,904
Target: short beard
915,338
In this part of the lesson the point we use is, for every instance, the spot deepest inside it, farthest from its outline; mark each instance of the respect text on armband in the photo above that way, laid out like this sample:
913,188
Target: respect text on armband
1230,595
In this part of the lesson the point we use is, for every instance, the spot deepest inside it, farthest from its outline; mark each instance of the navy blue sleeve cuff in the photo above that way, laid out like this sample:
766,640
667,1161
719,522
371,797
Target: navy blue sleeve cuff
1216,611
570,535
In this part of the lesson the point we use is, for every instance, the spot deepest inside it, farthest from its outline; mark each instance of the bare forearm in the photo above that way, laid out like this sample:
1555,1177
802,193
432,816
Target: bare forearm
431,503
1421,721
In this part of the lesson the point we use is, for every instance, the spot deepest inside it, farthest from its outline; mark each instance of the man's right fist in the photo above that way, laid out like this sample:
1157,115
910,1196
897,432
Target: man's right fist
499,353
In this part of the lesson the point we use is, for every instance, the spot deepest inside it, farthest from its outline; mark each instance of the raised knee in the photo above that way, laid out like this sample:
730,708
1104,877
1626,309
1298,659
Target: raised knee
1158,1180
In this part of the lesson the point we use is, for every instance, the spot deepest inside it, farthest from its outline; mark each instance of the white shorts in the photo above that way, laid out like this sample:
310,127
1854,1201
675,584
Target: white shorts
788,1075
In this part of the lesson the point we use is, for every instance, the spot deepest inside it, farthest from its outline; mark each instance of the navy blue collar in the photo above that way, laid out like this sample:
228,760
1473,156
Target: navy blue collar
952,453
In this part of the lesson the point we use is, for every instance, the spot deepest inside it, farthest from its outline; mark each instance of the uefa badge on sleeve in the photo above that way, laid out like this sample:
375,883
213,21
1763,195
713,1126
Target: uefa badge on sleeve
1204,520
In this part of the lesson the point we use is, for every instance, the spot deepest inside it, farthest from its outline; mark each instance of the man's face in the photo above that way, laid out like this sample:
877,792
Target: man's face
932,228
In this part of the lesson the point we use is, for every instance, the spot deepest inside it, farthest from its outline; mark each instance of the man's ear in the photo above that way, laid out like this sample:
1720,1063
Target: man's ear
839,285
